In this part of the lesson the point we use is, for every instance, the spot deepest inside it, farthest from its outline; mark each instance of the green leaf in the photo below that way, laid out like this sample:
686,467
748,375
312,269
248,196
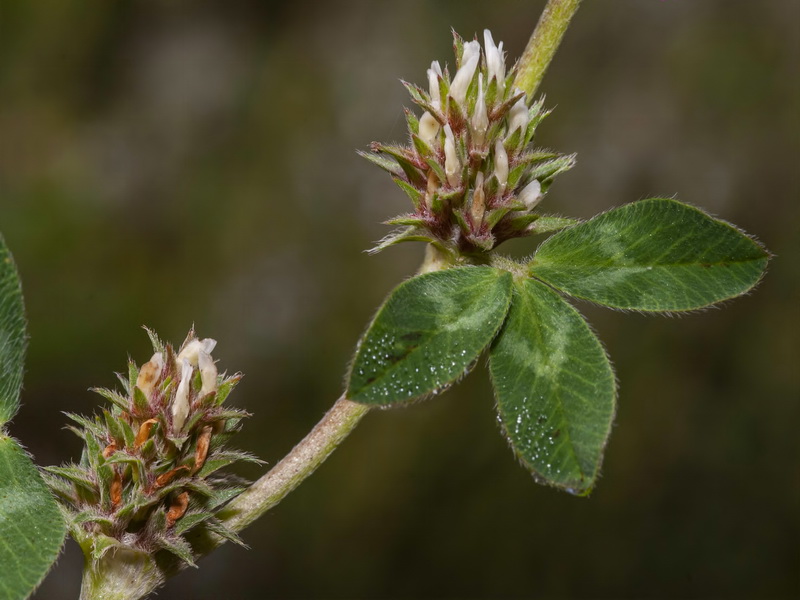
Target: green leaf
12,335
554,386
428,333
31,527
652,255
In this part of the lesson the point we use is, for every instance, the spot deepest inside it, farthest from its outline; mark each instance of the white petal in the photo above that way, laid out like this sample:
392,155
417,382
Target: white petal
180,405
208,373
452,166
531,194
433,86
192,348
495,61
458,89
428,128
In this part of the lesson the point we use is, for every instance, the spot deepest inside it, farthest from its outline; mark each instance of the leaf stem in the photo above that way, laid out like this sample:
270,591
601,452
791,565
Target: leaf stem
543,44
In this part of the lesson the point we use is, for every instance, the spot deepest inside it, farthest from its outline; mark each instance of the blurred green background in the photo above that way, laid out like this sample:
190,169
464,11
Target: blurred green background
170,163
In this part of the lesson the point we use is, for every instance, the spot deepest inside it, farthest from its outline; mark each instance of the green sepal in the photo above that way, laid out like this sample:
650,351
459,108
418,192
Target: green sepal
407,234
141,406
421,146
216,526
226,387
225,458
500,111
176,545
407,220
90,425
422,99
76,475
399,154
384,163
413,193
115,398
412,122
548,169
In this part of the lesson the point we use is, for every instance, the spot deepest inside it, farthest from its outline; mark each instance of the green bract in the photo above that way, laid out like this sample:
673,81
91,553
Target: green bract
31,527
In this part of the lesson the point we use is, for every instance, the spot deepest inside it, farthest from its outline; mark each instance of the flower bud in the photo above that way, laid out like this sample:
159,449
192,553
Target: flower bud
180,405
452,166
480,118
501,165
531,194
428,128
495,62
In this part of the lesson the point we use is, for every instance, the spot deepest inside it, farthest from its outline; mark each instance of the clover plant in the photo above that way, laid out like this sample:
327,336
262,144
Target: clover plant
148,497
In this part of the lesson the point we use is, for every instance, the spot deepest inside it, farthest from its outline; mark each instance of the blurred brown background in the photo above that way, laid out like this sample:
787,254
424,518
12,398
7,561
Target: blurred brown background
165,163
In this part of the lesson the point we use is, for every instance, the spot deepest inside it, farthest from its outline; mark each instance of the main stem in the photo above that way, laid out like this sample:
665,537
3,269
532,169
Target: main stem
543,44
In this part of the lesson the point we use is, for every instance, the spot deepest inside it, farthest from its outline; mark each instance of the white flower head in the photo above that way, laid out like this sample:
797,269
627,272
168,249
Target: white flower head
428,128
501,164
531,194
495,61
452,166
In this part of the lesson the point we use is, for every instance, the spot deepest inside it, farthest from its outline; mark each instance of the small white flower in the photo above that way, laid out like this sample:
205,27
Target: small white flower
469,62
192,349
501,165
495,61
480,118
180,405
518,116
428,128
531,194
452,166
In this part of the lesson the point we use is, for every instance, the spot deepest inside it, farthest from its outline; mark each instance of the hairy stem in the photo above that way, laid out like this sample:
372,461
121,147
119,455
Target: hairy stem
292,470
543,43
